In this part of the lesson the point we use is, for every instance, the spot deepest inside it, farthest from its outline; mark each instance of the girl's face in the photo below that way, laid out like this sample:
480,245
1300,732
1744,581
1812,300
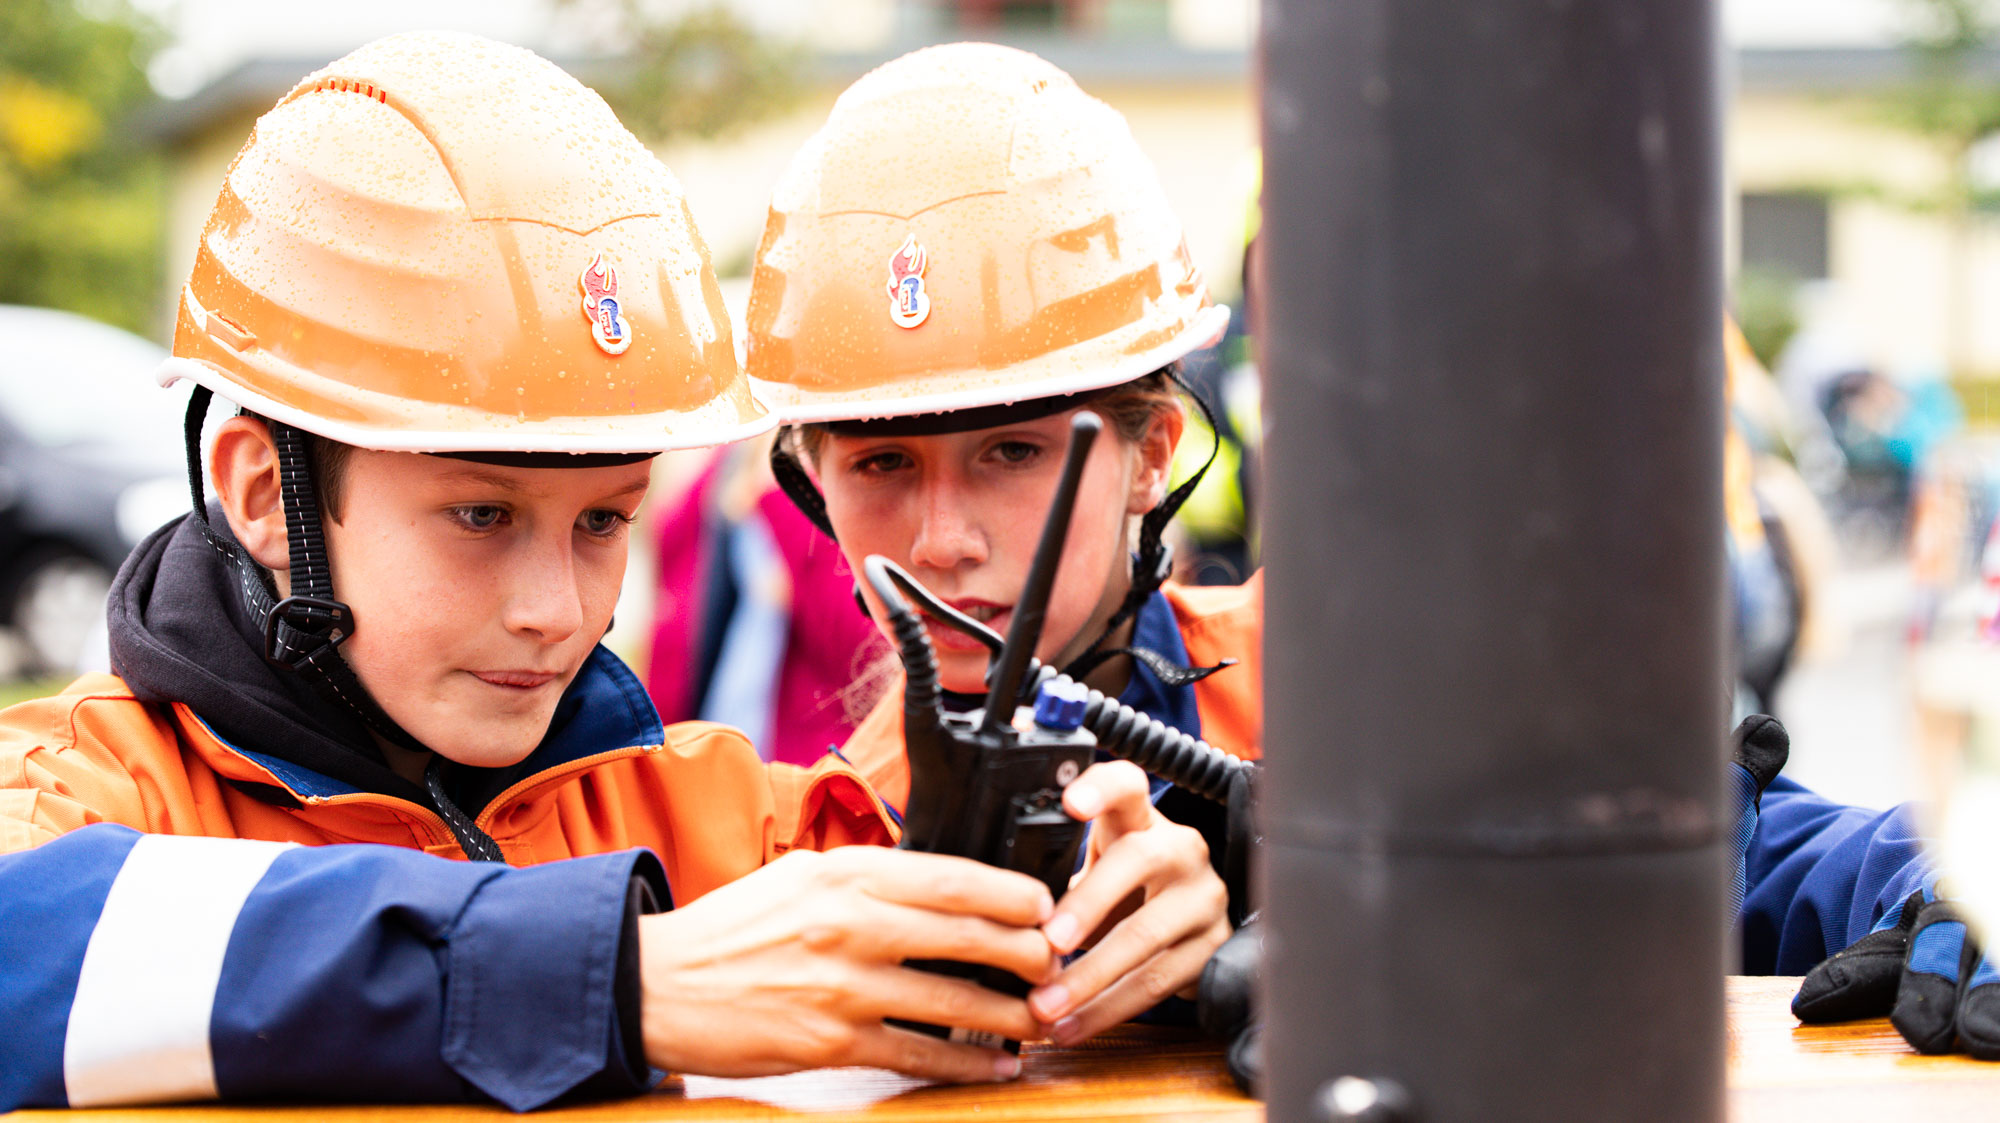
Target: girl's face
963,513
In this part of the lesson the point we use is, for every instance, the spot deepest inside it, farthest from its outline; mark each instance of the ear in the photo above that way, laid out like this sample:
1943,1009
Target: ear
244,466
1156,459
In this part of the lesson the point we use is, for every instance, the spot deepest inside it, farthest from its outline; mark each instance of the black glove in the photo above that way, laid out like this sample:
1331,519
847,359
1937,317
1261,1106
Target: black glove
1923,968
1761,749
1226,1000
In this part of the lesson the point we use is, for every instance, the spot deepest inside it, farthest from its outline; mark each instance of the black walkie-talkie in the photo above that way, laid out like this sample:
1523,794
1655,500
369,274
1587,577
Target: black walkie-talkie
988,785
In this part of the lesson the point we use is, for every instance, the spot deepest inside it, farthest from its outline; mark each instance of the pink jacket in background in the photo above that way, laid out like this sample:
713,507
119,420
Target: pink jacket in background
798,640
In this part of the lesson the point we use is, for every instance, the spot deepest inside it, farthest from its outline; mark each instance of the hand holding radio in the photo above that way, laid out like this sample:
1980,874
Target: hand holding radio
798,964
1148,906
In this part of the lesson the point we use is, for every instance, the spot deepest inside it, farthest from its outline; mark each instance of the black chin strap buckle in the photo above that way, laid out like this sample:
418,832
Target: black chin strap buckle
1163,565
298,628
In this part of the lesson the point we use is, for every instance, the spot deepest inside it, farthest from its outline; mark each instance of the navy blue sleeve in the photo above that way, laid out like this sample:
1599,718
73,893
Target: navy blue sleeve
49,898
338,972
1820,874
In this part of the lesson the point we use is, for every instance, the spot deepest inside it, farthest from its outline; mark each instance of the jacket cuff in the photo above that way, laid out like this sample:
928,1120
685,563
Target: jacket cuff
628,1072
532,1009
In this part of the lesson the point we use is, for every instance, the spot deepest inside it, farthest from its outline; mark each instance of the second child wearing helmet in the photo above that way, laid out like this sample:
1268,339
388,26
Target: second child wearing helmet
969,252
461,307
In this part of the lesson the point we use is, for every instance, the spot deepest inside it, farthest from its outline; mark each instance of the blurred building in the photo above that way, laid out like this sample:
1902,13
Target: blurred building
1829,188
1823,182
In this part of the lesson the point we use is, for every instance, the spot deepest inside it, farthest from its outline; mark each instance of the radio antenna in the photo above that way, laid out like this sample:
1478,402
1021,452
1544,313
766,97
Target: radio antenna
1025,630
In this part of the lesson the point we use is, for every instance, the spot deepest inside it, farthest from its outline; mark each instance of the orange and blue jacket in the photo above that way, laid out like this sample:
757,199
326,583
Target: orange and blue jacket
1192,626
183,918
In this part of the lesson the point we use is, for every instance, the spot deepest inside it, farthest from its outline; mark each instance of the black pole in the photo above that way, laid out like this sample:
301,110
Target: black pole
1490,291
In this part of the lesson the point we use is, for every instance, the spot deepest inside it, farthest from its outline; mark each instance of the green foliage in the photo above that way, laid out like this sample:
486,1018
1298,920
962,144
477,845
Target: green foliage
80,200
1949,100
692,72
29,689
1951,30
1767,311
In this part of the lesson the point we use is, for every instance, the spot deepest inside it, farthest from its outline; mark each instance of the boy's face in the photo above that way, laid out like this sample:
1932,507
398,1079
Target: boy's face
477,590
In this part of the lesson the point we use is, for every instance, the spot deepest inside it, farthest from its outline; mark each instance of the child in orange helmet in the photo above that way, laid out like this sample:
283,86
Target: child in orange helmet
968,253
460,308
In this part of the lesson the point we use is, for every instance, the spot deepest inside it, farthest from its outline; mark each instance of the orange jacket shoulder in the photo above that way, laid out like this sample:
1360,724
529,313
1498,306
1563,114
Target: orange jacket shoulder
712,810
702,800
93,754
1226,622
875,748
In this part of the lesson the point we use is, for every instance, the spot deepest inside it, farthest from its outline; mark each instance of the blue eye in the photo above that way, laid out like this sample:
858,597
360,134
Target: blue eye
602,523
480,516
1016,452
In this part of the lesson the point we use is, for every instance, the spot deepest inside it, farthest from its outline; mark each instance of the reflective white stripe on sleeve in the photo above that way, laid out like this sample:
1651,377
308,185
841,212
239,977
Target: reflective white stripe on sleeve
138,1029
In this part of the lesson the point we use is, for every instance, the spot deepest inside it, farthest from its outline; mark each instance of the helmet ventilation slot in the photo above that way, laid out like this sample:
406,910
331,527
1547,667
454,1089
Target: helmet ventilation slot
349,86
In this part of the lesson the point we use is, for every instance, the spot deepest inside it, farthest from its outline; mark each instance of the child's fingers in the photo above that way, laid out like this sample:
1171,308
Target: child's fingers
932,1058
1167,921
1164,854
1115,795
1137,992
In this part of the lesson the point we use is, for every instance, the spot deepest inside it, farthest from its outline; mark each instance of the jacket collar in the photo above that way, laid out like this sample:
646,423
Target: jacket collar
604,709
1157,630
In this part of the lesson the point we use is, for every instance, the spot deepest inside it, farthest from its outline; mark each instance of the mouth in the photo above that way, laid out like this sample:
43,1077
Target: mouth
522,681
948,638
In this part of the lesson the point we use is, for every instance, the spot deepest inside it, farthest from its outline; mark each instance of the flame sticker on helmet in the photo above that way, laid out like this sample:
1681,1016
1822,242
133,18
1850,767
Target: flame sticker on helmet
909,304
599,282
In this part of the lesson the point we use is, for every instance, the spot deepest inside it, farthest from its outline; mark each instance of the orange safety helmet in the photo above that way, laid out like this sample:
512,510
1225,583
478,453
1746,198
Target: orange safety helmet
441,243
968,229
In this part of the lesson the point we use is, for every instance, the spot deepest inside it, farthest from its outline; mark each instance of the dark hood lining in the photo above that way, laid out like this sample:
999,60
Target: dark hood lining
180,633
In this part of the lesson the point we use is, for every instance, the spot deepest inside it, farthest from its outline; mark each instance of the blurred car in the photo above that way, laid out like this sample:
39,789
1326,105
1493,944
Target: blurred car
90,462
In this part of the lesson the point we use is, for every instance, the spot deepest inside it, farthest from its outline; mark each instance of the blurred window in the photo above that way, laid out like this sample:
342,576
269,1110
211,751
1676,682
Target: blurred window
1048,15
1785,234
1114,17
65,380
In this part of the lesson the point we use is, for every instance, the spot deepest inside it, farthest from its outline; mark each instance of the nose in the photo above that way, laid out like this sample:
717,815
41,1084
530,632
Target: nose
947,535
545,602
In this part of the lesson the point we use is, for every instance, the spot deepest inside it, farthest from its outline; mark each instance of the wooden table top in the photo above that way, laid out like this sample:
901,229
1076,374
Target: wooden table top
1778,1070
1861,1071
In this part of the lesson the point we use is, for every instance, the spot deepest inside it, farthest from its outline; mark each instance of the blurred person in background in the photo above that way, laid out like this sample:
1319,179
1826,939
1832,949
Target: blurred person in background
1989,570
1888,427
1955,500
1780,547
1215,531
971,251
1863,438
754,620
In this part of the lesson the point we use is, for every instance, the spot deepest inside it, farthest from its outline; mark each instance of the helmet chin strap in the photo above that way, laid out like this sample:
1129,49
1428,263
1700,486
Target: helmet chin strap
1155,561
303,631
1151,568
799,487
